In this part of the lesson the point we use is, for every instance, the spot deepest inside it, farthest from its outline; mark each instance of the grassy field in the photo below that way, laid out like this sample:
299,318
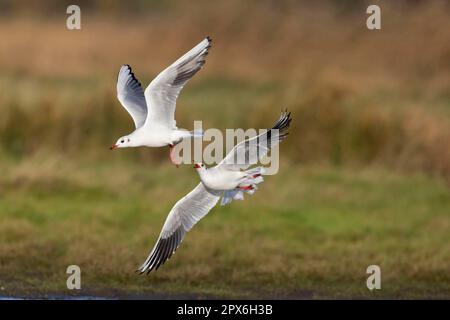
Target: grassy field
364,176
308,233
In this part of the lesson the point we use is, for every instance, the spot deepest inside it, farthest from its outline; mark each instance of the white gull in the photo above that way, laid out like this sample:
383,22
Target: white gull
153,111
229,180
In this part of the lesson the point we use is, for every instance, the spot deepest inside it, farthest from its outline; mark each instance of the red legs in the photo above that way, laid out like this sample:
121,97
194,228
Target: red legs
249,187
171,155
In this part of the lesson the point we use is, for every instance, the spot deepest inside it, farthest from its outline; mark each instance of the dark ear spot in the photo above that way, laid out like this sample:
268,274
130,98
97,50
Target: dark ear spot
128,139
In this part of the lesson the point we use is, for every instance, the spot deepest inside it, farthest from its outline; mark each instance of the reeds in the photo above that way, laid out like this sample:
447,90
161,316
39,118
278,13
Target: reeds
358,97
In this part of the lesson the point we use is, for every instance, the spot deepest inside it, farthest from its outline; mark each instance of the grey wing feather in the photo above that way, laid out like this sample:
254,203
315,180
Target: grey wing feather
162,93
183,216
131,95
250,151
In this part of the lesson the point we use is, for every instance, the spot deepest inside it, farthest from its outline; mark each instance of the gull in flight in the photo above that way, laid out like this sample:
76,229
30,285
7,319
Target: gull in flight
229,180
153,111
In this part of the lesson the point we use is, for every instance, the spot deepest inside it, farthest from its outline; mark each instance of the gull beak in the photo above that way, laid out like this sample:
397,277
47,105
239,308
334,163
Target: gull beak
196,166
113,146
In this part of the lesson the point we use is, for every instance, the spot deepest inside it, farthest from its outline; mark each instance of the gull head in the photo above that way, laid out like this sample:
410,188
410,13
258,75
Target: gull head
200,167
123,142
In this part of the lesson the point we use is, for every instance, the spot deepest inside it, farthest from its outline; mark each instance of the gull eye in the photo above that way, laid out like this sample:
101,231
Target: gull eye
122,141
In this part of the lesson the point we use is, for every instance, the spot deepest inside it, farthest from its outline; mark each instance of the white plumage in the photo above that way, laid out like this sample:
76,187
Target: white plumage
229,180
153,111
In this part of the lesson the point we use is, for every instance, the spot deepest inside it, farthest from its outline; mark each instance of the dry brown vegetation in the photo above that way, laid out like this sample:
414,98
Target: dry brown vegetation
357,95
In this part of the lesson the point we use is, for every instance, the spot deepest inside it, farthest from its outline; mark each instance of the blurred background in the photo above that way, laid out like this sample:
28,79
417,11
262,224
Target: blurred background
364,176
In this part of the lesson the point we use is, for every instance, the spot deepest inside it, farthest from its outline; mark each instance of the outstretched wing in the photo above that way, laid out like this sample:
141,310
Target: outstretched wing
162,93
250,151
131,95
183,216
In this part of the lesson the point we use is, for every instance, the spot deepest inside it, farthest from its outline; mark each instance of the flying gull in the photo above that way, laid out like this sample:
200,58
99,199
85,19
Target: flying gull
229,180
153,111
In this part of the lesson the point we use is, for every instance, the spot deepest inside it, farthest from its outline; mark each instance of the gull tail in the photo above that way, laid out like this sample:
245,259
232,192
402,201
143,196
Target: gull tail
181,134
248,185
197,133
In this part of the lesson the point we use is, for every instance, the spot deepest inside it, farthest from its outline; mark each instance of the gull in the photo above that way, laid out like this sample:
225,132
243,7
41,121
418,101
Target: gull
153,111
229,180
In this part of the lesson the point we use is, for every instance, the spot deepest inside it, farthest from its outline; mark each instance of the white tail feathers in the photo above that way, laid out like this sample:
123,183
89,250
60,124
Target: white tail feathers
197,133
254,177
180,134
231,195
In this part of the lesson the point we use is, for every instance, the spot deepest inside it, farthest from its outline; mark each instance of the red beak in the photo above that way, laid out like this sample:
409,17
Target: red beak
113,147
196,166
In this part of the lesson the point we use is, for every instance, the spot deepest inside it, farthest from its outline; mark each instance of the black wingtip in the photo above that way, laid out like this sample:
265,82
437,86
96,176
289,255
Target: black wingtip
128,67
283,122
209,42
130,70
139,271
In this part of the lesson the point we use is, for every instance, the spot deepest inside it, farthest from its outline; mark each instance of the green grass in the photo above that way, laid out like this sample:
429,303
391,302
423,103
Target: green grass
307,233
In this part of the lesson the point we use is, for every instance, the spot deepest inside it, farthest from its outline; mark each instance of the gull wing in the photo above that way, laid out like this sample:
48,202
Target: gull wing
183,216
162,93
131,95
250,151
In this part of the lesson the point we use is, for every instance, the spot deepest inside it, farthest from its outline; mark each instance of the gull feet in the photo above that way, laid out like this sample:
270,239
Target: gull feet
171,155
